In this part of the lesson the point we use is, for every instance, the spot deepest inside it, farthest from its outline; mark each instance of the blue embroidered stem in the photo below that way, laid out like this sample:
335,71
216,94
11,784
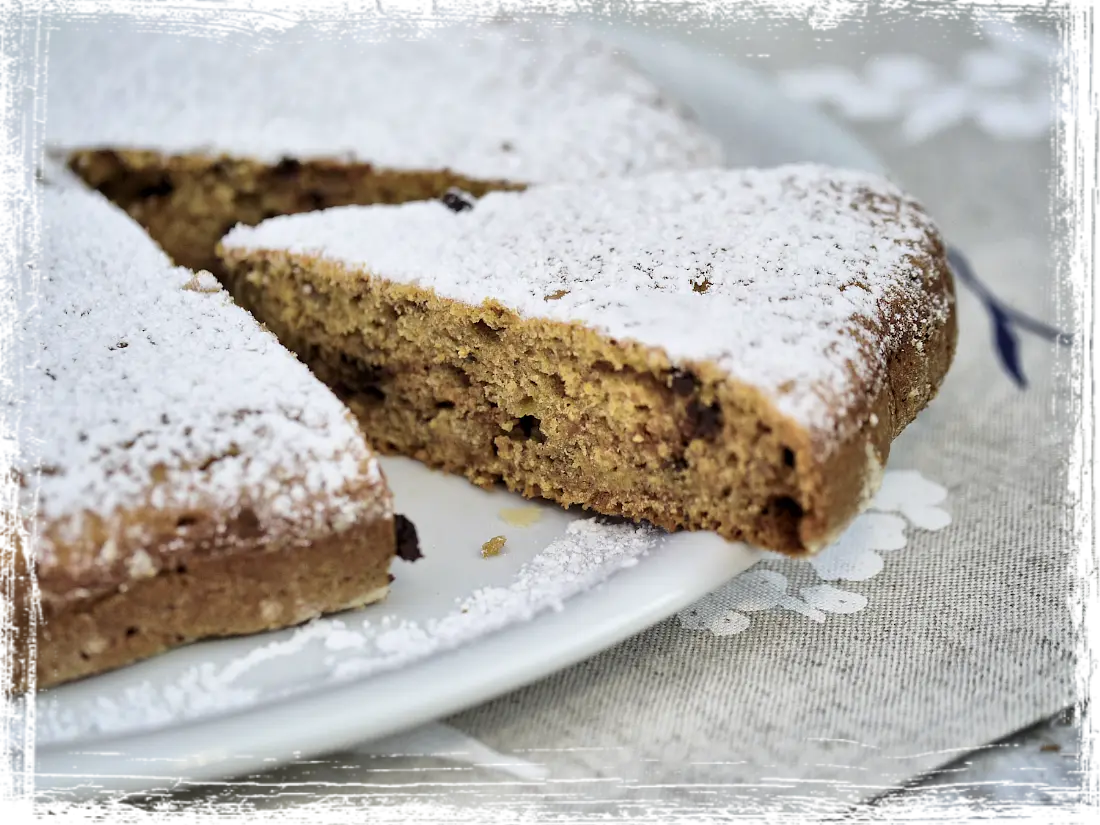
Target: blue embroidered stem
1005,319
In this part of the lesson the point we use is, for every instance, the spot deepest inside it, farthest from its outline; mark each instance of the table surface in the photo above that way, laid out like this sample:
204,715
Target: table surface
1046,774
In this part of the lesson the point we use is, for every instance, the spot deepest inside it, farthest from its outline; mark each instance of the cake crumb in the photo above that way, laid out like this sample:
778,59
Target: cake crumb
521,516
493,547
203,281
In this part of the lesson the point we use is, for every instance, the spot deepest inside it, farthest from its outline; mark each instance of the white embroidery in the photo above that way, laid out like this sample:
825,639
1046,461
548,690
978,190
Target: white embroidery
1003,88
445,742
832,599
909,493
855,557
722,612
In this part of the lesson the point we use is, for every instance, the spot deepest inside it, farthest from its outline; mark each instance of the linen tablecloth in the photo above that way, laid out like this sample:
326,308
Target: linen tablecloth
941,622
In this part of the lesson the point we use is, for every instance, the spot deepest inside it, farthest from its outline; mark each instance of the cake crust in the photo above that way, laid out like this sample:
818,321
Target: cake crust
263,587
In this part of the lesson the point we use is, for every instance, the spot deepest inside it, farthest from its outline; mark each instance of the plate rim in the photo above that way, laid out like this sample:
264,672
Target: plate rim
711,563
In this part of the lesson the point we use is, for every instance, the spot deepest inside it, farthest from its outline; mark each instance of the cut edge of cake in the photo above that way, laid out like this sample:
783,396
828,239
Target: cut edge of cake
498,377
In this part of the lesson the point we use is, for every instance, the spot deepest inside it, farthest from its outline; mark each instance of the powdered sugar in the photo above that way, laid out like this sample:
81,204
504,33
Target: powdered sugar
489,101
119,370
344,649
798,280
150,389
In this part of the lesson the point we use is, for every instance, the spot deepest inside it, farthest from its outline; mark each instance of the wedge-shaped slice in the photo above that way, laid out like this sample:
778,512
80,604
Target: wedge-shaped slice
717,349
183,475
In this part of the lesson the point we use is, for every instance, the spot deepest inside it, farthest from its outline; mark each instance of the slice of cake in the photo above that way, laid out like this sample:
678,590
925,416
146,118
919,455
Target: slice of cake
182,475
721,350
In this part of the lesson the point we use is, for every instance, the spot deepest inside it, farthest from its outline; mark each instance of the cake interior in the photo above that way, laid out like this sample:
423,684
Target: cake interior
549,409
188,202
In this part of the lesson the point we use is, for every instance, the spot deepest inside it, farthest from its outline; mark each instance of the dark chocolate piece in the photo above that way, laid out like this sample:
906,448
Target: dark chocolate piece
704,422
287,168
408,543
684,383
457,201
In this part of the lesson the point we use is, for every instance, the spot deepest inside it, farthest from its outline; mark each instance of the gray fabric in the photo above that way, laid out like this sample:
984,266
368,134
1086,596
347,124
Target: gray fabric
967,635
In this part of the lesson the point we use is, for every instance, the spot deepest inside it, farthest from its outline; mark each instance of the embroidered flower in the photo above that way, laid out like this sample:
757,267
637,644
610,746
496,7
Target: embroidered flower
854,557
1003,88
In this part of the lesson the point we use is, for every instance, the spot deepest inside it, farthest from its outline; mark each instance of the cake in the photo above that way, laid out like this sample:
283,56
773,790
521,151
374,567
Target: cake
182,475
167,471
725,350
254,108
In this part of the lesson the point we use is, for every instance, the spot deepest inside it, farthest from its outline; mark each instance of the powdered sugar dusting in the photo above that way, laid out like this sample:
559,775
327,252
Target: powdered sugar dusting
491,101
799,280
131,384
149,389
346,649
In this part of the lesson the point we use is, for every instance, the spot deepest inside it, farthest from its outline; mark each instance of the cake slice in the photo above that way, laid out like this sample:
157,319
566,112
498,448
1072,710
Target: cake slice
181,474
713,350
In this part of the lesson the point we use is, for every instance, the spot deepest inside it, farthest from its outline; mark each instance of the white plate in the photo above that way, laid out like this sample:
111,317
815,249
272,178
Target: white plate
197,713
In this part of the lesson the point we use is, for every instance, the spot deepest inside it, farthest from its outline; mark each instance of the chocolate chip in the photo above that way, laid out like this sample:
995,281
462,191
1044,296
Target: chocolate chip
704,422
286,168
457,201
246,524
677,465
784,507
408,543
158,188
684,383
390,578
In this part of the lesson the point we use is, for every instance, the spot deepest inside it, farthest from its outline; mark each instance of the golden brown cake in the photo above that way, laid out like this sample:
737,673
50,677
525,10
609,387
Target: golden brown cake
167,470
714,349
182,475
